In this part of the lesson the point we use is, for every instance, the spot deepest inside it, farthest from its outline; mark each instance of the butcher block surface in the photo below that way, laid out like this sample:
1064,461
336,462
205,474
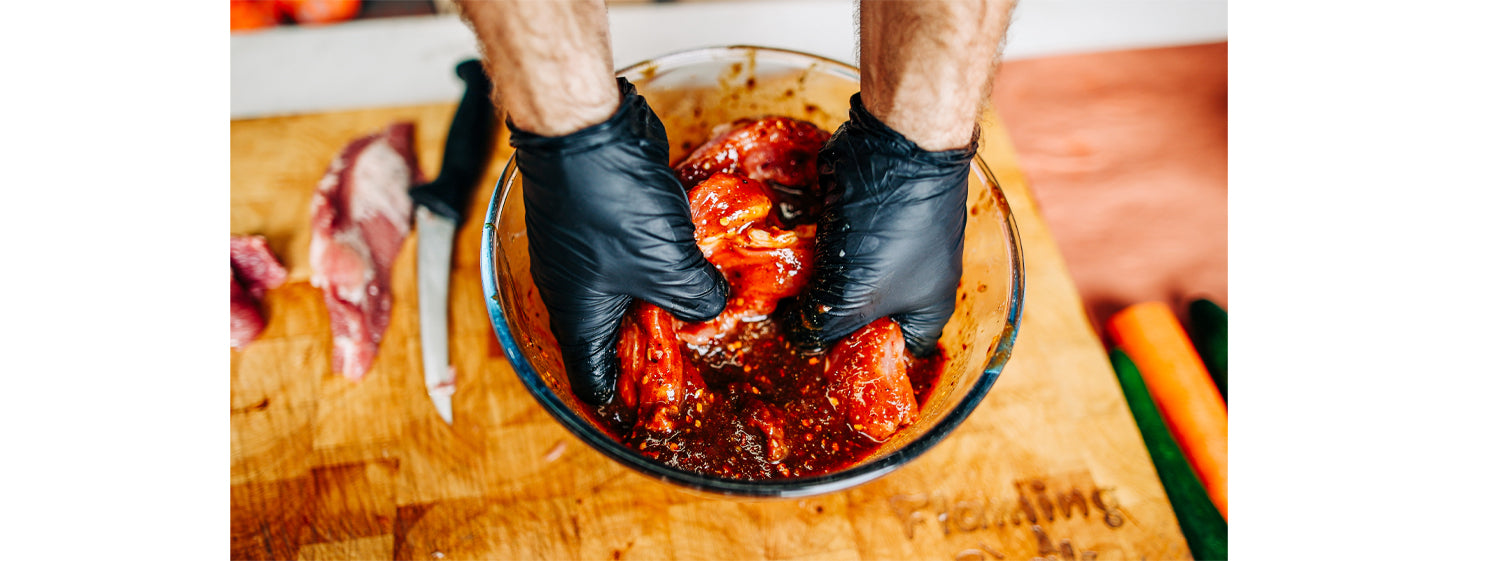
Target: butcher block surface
1049,465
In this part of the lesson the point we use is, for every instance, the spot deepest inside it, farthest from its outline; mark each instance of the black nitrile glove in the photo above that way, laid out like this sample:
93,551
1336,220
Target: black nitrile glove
608,222
891,237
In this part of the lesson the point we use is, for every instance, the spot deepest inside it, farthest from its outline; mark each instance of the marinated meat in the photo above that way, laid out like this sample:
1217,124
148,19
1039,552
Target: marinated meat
867,380
762,262
724,206
778,151
732,397
653,377
360,216
253,270
771,424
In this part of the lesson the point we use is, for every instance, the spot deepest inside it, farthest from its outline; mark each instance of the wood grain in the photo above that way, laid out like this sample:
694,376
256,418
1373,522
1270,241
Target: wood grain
1049,465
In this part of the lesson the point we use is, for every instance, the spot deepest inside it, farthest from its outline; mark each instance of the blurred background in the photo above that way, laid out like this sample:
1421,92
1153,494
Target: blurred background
1117,108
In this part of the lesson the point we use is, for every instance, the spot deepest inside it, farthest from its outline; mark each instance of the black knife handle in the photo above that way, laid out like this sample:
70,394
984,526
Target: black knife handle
467,149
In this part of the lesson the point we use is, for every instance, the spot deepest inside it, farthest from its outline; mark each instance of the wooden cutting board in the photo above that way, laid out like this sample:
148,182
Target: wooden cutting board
1049,465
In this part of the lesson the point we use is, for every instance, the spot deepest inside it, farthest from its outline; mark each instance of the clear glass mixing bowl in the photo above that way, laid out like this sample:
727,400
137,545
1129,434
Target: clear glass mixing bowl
692,92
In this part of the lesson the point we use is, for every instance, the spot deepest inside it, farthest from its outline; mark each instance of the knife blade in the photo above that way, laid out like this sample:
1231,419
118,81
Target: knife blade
440,209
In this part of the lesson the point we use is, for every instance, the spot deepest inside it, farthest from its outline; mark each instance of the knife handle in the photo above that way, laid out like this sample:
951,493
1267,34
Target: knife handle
467,149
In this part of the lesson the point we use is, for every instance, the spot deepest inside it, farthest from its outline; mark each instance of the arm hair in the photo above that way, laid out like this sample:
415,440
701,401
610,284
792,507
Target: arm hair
926,67
550,62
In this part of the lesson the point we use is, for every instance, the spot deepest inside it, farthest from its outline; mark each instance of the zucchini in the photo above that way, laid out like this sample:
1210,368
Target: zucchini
1204,528
1210,332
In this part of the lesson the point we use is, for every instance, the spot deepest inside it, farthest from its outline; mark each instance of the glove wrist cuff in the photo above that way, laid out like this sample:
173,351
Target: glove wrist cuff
893,143
630,120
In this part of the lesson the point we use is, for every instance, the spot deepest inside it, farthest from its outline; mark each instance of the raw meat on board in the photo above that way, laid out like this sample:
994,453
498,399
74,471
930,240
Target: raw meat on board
361,213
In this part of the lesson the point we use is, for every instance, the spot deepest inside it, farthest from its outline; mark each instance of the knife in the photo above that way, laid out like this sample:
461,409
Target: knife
440,209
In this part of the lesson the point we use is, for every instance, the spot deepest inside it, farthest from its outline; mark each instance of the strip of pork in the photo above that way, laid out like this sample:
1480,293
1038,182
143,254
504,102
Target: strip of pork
361,214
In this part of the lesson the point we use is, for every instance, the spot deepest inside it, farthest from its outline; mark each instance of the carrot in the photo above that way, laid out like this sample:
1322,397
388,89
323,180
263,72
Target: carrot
1182,389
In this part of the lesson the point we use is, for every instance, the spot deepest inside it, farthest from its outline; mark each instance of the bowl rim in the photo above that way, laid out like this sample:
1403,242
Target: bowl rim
769,488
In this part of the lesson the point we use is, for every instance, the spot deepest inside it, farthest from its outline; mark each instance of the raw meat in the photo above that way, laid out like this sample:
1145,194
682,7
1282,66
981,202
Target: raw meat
254,265
253,270
245,321
361,213
867,380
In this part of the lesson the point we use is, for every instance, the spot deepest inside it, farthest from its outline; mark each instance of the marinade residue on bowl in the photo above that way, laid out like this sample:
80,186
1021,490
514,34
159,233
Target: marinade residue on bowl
732,397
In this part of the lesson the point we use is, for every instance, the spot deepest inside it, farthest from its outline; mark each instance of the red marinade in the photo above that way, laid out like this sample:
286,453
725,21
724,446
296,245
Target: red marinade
732,397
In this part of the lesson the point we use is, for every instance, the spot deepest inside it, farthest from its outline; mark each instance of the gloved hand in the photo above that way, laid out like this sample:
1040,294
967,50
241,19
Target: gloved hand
890,239
608,222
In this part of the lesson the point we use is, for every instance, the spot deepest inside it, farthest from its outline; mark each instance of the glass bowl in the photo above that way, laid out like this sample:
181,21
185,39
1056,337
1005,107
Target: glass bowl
691,92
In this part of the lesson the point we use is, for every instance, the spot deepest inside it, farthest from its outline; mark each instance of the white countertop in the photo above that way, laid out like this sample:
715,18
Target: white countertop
402,61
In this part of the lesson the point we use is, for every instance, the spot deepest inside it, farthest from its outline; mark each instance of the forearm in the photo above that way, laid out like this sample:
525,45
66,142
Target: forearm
926,67
550,62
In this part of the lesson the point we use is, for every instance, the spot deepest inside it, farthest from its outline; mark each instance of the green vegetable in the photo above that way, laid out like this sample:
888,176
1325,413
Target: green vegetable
1210,331
1204,528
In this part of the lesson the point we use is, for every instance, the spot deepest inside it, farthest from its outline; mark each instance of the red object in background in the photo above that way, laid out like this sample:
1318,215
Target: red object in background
319,11
246,15
1127,154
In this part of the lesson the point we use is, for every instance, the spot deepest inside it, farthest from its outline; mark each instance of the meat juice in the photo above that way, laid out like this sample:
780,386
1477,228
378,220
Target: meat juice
732,397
